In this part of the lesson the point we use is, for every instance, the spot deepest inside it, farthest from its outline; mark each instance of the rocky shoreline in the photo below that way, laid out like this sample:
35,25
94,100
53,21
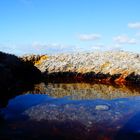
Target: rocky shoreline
118,67
111,67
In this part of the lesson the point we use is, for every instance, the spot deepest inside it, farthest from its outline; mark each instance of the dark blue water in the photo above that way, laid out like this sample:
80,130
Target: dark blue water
67,115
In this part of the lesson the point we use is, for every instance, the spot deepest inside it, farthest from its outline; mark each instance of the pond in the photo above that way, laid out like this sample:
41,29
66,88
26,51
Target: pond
79,111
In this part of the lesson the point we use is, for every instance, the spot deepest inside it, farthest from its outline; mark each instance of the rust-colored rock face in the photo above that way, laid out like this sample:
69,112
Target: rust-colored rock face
106,67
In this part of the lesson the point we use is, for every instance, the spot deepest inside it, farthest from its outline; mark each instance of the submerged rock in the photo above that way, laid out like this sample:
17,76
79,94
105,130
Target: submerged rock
102,107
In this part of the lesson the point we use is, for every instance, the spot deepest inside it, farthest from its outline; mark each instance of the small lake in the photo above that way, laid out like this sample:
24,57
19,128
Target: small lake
72,111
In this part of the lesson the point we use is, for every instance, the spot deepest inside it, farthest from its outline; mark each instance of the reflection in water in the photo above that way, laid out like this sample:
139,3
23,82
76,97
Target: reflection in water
79,91
73,111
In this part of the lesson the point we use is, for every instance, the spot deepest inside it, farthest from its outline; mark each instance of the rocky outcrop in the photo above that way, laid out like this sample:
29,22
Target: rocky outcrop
15,75
106,67
35,59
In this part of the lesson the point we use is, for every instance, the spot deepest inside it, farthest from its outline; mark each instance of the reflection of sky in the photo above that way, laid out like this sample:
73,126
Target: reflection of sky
32,113
38,107
21,103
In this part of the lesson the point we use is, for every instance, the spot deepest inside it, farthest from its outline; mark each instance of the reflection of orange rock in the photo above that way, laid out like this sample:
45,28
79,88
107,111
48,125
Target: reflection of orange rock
84,90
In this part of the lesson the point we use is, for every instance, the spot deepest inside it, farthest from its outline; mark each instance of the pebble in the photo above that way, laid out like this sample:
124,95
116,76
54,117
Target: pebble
102,107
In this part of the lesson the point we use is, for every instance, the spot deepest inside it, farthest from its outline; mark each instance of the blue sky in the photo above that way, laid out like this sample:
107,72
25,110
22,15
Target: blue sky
48,26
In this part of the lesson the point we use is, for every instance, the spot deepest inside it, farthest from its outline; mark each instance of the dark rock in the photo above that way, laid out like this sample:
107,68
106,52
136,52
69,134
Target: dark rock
15,74
114,77
133,78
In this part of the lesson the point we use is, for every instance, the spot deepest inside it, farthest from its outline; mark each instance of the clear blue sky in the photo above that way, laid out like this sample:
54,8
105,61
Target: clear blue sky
43,26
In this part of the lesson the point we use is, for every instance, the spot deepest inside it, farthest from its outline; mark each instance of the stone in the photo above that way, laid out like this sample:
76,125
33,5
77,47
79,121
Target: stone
102,107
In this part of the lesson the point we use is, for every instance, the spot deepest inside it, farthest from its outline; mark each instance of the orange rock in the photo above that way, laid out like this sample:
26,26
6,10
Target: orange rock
120,80
43,57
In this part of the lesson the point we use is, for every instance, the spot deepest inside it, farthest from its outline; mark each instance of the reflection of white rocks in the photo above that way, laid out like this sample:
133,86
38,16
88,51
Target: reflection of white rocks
82,91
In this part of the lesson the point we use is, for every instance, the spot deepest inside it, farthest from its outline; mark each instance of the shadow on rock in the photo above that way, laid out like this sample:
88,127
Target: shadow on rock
15,76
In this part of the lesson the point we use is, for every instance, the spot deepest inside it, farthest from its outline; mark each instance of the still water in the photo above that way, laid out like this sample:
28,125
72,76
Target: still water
79,111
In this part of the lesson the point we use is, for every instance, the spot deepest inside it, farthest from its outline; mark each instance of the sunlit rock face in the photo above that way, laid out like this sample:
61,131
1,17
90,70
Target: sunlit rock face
122,66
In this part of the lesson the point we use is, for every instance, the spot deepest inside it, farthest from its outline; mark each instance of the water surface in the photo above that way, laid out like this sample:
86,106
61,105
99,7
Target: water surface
73,111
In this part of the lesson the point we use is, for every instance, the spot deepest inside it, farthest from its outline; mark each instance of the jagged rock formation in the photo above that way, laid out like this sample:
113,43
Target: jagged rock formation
106,67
